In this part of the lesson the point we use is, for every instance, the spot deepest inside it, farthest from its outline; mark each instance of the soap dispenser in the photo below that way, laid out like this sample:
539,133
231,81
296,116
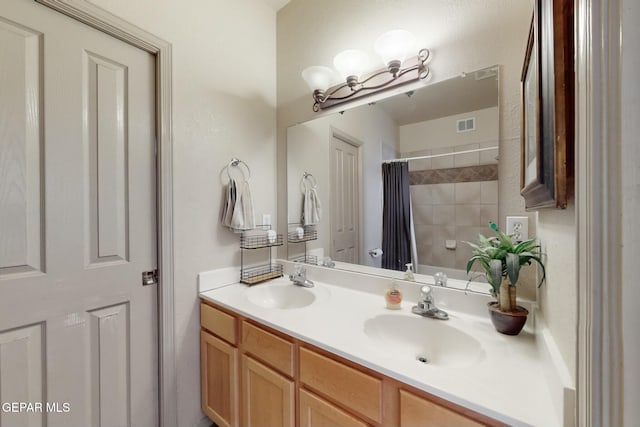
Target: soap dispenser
408,275
393,297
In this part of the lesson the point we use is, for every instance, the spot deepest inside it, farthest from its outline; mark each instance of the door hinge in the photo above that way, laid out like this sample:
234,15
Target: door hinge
150,277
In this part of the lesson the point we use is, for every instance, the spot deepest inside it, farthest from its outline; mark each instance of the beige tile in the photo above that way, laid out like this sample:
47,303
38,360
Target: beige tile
444,257
424,234
422,214
444,215
488,213
470,234
489,192
469,159
468,215
467,193
443,194
463,253
421,194
425,254
442,162
421,164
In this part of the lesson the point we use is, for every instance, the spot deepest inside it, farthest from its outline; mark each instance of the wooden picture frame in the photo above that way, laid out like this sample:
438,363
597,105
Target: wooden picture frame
547,137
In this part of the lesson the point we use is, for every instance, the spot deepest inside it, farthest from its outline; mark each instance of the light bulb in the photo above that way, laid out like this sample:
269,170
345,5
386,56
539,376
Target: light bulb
350,63
318,77
393,46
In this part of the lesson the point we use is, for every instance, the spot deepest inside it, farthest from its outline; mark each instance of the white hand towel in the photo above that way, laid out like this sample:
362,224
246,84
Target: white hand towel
237,217
229,203
247,207
312,209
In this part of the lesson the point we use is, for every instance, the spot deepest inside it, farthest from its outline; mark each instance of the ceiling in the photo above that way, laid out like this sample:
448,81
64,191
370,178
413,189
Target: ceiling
468,92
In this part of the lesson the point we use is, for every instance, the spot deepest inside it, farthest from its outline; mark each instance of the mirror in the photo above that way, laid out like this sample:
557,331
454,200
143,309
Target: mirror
336,161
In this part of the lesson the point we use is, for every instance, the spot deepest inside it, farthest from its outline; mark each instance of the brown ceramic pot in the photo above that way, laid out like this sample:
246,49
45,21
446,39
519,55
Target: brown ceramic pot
507,323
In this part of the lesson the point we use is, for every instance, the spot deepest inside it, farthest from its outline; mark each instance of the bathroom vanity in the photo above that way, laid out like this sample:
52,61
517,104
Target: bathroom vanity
282,355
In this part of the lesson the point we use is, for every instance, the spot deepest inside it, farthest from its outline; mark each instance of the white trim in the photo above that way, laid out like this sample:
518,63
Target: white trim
433,156
104,21
598,189
560,385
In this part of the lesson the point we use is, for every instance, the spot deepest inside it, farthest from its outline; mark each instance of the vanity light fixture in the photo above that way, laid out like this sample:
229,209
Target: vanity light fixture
392,46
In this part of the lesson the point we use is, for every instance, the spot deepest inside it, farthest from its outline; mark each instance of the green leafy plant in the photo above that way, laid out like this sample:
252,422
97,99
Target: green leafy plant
501,259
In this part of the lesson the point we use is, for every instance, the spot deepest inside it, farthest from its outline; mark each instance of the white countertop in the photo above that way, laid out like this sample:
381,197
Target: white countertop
505,381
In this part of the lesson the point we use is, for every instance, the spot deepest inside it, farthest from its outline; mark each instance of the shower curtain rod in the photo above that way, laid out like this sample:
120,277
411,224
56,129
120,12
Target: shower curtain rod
432,156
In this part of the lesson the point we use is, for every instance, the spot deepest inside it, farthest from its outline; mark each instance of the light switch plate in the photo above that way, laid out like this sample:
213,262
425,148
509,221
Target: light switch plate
518,227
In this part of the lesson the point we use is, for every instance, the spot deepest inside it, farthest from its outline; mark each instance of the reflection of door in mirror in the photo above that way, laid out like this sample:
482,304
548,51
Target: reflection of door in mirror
345,199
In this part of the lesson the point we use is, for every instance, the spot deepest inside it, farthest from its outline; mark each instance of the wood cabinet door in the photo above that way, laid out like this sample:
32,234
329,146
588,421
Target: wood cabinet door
416,411
219,370
317,412
267,396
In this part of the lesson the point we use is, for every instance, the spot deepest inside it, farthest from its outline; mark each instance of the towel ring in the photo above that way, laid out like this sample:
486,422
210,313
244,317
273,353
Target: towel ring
236,163
307,178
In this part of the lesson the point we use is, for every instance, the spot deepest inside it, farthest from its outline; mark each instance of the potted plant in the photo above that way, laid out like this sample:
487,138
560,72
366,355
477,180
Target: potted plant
501,258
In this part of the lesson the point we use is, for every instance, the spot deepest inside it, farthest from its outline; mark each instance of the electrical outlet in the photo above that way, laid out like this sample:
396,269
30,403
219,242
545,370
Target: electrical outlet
266,219
518,227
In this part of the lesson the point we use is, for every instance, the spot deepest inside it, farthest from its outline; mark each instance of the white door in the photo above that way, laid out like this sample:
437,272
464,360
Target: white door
78,331
345,201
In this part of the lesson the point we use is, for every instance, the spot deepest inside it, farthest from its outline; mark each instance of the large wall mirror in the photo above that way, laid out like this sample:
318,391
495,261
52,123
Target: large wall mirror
450,132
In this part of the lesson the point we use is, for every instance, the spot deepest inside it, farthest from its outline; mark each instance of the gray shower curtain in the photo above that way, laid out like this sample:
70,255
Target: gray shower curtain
396,216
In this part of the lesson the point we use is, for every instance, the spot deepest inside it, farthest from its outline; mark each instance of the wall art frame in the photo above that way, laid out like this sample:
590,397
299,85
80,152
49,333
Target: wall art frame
547,137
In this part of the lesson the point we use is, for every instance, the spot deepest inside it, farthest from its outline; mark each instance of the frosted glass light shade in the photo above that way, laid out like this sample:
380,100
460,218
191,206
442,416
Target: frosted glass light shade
318,77
394,45
350,63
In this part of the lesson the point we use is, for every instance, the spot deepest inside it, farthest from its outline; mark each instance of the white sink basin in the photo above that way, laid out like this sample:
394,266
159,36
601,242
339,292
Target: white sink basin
282,294
424,340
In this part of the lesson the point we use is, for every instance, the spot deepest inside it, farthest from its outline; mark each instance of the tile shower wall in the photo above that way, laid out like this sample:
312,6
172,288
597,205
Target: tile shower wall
453,198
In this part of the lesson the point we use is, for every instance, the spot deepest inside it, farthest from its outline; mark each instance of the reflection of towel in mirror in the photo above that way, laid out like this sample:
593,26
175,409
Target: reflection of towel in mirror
311,207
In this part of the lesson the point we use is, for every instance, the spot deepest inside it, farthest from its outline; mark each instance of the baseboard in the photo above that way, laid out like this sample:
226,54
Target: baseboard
204,422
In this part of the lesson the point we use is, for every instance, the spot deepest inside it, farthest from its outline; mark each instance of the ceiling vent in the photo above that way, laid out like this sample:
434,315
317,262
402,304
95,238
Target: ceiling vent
466,125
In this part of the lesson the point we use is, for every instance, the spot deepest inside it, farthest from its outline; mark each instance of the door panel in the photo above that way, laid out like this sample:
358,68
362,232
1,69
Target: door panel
78,225
21,245
106,94
345,201
21,372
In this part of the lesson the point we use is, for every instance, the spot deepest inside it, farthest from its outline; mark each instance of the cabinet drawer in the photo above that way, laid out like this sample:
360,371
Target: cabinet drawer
316,412
268,347
418,412
347,386
220,323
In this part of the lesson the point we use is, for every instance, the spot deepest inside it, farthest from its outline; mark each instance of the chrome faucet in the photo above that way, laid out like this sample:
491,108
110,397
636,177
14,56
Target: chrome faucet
299,277
426,305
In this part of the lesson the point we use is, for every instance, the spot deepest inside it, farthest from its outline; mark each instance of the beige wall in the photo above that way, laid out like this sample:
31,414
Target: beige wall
462,37
222,108
441,132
